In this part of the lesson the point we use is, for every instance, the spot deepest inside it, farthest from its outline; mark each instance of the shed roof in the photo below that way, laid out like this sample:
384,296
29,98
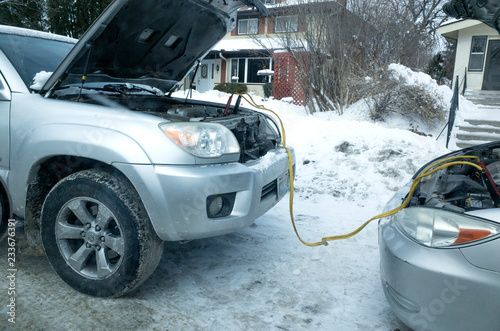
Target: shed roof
450,29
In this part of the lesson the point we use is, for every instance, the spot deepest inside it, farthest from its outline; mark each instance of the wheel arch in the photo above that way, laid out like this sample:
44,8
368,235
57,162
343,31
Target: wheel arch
43,176
4,195
7,211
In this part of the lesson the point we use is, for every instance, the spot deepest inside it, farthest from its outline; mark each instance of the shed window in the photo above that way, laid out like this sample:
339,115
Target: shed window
478,48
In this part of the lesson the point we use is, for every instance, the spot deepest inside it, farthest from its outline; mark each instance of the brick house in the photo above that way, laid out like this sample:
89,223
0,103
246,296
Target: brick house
250,53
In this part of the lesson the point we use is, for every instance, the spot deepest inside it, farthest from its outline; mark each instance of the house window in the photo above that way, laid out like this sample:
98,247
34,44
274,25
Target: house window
246,70
238,70
254,65
204,71
269,2
248,26
478,48
286,24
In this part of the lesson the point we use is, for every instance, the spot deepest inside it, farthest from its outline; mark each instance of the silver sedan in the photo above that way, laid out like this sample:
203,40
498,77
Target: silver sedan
439,264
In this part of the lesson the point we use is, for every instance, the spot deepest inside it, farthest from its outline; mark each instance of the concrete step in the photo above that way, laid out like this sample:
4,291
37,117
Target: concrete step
490,99
493,109
469,143
478,129
464,144
486,104
468,135
477,137
489,96
488,122
481,93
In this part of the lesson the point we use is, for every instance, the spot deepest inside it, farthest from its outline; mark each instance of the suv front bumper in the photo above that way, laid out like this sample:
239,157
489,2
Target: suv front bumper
175,197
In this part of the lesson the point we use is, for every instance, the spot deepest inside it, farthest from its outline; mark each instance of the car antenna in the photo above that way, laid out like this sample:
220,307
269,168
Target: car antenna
191,84
85,71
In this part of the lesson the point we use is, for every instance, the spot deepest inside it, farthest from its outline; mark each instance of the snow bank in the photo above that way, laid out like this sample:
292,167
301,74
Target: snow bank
442,93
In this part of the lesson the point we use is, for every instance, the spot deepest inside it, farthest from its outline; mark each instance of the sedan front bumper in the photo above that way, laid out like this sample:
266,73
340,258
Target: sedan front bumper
175,197
436,289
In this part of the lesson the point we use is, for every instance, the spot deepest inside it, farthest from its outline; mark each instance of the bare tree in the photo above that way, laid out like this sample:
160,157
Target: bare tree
331,46
341,42
406,29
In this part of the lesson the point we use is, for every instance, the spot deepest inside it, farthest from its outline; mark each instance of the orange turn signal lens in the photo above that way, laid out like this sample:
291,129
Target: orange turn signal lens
174,135
468,235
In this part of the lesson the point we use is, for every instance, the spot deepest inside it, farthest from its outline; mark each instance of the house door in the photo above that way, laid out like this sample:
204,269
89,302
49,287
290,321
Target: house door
491,79
205,76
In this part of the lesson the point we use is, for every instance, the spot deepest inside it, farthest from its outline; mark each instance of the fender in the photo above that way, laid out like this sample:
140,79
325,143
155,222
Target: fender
92,142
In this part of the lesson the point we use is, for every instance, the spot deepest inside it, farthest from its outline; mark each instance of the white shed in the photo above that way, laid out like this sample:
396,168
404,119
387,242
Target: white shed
477,63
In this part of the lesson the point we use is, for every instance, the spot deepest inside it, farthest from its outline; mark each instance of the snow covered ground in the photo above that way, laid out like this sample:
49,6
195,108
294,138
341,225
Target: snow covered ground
262,277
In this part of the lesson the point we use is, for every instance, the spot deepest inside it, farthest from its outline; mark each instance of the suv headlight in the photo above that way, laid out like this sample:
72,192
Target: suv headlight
206,140
441,228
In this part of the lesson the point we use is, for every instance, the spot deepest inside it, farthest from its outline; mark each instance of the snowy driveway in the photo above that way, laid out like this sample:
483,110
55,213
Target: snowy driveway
262,277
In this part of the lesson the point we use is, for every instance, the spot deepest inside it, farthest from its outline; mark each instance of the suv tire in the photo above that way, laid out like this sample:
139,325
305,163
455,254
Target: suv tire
97,235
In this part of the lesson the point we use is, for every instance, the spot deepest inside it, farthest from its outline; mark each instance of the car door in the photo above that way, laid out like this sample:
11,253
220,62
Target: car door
5,97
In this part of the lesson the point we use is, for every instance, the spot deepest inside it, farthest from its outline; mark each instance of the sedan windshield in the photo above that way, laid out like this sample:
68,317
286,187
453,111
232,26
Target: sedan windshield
31,55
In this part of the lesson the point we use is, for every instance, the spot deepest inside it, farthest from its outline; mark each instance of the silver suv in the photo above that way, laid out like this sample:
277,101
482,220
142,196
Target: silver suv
102,164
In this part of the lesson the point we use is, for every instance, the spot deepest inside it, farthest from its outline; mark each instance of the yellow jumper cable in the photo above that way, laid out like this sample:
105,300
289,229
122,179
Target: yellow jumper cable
436,166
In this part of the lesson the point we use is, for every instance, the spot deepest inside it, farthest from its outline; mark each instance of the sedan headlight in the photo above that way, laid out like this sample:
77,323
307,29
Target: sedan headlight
206,140
441,228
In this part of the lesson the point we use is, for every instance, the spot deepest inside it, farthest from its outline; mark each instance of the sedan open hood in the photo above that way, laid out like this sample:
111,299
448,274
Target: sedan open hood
152,42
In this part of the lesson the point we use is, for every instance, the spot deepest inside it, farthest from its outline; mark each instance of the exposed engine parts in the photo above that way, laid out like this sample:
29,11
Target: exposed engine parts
256,133
253,132
462,188
253,144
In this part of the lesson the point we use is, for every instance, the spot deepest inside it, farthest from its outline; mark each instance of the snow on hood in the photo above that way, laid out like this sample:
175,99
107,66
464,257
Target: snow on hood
40,79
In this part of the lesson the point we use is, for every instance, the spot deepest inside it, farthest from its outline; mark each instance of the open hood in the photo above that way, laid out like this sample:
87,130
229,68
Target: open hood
152,42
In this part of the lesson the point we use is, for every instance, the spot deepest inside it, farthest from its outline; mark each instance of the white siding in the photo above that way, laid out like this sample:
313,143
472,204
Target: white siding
474,79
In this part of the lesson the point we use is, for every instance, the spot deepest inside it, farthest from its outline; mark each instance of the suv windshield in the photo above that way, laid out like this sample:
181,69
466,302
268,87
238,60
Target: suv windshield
31,55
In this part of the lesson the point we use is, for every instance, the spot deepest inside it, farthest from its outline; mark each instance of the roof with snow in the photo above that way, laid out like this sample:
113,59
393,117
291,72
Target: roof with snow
450,29
35,34
251,44
288,3
234,44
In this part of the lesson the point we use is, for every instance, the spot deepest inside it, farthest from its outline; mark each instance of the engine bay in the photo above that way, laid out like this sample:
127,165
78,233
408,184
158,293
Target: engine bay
256,133
462,188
